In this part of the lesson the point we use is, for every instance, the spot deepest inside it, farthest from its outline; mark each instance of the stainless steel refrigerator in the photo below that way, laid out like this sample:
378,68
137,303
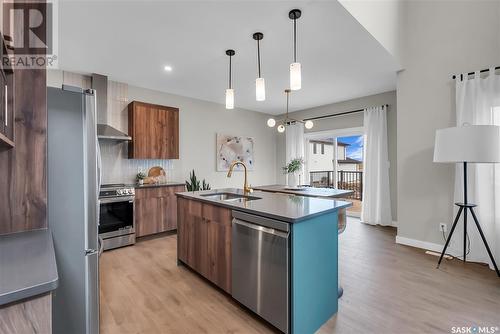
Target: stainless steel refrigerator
73,187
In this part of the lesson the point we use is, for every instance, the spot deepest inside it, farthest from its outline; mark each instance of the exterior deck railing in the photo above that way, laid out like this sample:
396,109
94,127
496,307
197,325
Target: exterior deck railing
348,180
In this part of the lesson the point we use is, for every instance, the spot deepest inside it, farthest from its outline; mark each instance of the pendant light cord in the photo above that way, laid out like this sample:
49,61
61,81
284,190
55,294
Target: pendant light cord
287,96
230,83
258,55
294,40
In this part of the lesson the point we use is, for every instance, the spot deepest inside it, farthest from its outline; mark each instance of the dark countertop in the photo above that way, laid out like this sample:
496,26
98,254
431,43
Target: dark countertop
306,191
164,184
27,265
284,207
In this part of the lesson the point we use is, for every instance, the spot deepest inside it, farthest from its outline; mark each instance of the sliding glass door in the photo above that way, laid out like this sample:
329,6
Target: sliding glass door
334,159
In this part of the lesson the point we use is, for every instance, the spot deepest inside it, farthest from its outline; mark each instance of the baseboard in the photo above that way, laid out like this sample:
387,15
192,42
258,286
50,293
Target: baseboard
419,244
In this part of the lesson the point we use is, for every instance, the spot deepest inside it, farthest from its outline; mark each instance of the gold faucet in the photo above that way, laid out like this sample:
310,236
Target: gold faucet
246,188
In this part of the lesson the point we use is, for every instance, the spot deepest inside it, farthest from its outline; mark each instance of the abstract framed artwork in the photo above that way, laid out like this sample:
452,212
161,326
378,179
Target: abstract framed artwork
230,148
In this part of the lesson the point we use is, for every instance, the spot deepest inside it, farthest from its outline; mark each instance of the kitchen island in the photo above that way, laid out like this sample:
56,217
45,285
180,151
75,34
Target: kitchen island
275,253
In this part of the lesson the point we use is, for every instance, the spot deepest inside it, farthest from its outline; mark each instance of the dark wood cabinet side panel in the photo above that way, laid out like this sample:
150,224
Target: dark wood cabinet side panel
23,183
28,317
182,230
192,236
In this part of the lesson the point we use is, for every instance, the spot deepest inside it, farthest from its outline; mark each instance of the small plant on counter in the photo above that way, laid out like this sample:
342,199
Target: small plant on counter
140,177
293,166
193,184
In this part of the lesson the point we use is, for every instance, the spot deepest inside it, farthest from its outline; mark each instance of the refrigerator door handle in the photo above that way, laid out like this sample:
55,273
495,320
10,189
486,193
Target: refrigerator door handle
90,252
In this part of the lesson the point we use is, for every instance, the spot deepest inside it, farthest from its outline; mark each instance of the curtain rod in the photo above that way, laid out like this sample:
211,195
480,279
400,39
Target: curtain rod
339,114
471,73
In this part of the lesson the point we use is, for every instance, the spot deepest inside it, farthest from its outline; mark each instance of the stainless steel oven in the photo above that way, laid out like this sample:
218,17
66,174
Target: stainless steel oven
116,216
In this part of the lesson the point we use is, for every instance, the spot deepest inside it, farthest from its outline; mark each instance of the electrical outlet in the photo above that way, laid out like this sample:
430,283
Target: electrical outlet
443,227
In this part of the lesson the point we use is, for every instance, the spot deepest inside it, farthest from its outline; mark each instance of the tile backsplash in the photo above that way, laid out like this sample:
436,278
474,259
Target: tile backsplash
117,168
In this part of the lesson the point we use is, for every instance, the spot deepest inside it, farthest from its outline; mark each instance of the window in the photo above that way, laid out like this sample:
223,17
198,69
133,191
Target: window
322,148
315,149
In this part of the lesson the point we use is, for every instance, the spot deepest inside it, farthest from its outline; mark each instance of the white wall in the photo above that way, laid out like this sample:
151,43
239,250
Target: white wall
382,19
442,38
351,121
199,123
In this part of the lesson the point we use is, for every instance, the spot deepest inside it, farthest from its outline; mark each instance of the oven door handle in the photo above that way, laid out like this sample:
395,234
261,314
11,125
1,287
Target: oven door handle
129,199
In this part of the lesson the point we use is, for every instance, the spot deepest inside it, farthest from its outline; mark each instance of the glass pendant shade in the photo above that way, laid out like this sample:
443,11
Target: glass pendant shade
295,76
271,122
260,89
229,98
281,128
309,124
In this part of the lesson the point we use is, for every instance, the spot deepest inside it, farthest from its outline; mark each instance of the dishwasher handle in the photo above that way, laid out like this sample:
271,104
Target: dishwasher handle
256,227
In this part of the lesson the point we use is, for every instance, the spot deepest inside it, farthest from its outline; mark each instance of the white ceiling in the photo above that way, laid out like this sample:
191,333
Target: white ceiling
131,41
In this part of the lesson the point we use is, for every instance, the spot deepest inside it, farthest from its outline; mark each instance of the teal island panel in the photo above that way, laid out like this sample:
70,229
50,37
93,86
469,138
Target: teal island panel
314,273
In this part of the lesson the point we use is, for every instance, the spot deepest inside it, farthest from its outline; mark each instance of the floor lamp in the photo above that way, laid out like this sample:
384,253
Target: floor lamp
468,144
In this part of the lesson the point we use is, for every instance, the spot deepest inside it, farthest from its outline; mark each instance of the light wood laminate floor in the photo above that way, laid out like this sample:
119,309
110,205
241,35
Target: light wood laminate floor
389,288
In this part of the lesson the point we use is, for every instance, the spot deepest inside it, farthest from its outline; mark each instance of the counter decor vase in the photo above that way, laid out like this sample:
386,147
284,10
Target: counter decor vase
292,172
292,180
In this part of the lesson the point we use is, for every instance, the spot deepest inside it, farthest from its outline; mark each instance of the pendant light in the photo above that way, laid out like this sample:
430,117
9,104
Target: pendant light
271,122
295,70
260,84
230,90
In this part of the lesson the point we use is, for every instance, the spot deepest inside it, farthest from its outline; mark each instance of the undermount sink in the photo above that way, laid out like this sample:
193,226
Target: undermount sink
230,197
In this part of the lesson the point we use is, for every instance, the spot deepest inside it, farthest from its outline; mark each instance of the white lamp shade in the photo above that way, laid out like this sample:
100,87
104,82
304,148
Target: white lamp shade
472,143
229,98
295,76
271,122
260,89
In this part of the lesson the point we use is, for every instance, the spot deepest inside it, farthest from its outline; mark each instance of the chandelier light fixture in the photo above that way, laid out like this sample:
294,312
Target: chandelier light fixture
295,70
230,90
260,84
271,122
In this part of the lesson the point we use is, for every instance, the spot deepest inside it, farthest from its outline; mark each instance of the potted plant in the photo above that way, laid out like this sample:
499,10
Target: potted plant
193,184
292,168
140,177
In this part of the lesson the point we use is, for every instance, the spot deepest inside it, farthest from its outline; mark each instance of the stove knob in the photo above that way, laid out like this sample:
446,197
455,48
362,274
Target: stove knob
119,192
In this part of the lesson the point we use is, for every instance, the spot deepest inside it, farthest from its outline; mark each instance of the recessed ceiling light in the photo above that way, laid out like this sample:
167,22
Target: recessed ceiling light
168,68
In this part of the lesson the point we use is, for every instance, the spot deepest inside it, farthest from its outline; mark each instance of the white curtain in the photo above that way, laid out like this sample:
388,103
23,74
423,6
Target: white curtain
478,103
376,205
295,145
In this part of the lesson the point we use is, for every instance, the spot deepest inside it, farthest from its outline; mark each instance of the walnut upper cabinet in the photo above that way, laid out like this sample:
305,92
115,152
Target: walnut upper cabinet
154,130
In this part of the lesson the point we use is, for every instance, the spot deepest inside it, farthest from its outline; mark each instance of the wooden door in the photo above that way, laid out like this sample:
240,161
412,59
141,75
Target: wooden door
218,221
148,215
154,130
192,236
169,207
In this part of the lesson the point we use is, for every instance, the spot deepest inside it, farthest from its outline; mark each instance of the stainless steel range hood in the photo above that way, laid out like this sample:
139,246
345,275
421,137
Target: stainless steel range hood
104,130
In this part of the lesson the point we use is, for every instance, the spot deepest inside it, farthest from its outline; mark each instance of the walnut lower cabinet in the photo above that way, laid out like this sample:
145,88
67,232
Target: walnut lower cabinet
204,243
155,209
28,316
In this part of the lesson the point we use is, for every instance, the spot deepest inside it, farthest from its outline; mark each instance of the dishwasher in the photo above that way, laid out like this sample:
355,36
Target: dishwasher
260,267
